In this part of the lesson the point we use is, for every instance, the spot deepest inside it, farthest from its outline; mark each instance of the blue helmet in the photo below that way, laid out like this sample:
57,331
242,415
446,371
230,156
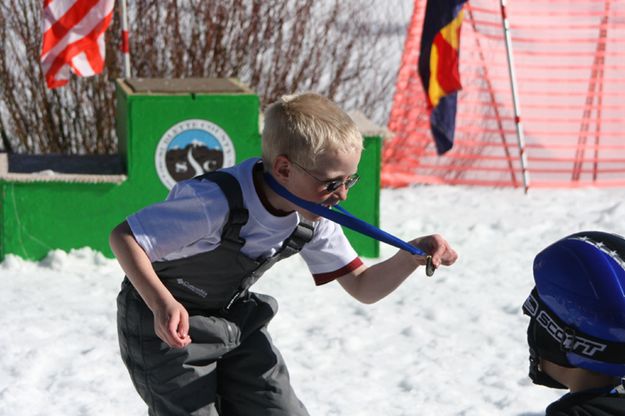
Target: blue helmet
578,304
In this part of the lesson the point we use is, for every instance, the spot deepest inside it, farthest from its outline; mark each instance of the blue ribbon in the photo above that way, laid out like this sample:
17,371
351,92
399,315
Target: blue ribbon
346,219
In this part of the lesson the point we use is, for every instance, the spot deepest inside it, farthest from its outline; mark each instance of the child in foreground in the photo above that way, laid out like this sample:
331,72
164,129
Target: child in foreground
576,333
192,335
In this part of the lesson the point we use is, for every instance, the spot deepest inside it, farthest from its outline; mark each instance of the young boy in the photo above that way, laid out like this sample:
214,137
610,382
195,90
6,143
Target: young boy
576,333
192,335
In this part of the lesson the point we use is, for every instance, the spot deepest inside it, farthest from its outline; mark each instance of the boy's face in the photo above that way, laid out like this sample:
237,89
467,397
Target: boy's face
336,169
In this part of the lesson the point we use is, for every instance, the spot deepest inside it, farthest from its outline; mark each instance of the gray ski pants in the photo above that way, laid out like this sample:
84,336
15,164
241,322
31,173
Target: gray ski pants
231,368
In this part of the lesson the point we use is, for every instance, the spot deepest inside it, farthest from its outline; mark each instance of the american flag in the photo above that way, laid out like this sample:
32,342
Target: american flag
73,38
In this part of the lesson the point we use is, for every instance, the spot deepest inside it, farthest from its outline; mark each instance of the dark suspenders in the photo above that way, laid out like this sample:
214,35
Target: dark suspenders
237,218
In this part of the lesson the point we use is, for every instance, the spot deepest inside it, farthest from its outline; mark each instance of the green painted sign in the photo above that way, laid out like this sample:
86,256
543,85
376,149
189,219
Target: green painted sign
168,130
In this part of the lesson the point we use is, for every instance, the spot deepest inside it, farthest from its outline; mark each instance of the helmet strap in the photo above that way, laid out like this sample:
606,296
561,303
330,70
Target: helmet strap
538,376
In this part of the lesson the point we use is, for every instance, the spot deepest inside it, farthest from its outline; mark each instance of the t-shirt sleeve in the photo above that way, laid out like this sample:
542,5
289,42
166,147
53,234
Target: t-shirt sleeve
169,226
329,254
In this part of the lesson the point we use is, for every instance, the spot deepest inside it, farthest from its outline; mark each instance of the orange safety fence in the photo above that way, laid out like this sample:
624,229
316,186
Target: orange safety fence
569,62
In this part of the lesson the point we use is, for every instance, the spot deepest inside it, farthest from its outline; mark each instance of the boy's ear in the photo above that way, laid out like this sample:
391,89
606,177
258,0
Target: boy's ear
281,169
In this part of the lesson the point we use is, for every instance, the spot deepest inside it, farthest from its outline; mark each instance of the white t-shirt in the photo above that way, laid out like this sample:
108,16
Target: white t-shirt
191,219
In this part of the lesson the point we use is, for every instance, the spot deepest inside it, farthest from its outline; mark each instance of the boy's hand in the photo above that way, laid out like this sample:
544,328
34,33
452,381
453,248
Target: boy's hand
436,246
171,324
370,284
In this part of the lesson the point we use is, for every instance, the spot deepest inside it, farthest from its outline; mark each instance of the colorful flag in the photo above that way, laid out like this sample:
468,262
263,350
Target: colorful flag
73,38
438,67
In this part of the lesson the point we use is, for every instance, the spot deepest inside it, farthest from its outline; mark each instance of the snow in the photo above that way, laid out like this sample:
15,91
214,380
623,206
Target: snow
452,344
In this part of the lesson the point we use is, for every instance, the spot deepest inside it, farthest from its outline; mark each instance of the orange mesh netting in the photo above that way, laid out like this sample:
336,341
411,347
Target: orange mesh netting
569,64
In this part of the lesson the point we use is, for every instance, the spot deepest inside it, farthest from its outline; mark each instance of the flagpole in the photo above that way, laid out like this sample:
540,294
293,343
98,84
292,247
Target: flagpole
125,45
515,99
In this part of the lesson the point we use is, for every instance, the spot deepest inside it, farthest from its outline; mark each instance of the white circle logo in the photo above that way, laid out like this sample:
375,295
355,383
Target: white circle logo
191,148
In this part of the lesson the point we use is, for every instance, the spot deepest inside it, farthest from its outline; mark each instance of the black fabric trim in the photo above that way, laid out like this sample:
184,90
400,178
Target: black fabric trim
593,403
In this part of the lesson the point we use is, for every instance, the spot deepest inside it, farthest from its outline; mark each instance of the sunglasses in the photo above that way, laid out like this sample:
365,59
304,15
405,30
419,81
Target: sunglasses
333,185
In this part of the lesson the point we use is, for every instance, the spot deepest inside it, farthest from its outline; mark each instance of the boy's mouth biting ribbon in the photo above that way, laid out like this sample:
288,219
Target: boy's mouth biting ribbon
340,216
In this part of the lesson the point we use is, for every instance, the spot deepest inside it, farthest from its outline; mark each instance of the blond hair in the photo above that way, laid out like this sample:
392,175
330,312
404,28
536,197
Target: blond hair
304,126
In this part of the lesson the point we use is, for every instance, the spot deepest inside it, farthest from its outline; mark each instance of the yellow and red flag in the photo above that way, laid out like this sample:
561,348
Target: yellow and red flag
73,38
438,67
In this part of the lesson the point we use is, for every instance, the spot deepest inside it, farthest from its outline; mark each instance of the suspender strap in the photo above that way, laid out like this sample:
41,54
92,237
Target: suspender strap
302,234
230,237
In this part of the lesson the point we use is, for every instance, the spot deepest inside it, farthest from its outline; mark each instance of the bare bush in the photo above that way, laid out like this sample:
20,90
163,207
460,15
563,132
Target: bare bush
336,48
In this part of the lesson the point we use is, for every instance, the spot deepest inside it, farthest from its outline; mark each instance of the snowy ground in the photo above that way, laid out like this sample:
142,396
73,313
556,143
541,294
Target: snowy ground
453,344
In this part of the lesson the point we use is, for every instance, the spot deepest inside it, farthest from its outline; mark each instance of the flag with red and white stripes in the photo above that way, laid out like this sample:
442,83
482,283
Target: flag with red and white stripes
73,38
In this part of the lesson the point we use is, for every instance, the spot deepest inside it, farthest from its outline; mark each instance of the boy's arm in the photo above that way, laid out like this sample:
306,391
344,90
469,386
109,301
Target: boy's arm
171,319
370,284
